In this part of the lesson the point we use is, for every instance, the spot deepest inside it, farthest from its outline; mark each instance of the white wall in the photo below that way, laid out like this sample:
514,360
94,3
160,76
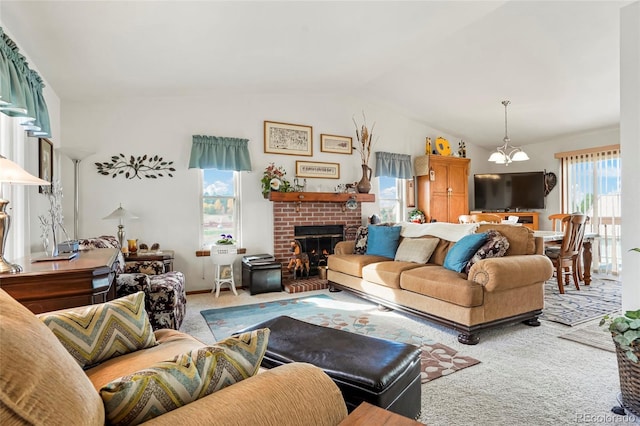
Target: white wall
630,149
169,207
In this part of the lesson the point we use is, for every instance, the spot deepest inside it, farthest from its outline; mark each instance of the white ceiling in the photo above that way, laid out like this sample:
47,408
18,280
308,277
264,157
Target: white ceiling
448,64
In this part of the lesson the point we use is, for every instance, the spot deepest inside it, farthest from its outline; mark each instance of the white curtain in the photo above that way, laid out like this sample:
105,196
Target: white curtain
591,182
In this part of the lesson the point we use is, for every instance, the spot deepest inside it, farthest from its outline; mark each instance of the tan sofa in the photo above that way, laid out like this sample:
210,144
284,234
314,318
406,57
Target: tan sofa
496,290
41,384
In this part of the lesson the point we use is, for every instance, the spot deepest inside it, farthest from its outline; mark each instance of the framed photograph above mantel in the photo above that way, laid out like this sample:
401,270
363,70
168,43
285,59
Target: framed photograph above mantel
315,169
288,139
45,162
336,144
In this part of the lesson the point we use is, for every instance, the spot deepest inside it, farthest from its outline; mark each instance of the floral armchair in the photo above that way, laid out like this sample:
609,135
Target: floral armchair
165,300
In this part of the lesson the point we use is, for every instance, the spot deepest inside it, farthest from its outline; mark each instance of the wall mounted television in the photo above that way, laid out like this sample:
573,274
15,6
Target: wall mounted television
509,191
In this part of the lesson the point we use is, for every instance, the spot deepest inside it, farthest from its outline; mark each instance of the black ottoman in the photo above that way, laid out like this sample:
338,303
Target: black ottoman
381,372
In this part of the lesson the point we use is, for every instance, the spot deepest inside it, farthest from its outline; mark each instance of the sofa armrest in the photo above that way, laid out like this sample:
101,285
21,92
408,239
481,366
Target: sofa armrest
289,395
344,247
504,273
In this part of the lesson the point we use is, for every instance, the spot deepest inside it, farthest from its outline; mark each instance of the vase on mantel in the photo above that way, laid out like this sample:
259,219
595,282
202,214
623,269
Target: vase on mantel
364,186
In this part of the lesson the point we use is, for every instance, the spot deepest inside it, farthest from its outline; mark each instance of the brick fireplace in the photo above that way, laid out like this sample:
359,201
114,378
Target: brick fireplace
288,215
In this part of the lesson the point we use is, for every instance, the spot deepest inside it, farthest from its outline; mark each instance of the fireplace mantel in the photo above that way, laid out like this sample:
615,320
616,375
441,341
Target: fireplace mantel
326,197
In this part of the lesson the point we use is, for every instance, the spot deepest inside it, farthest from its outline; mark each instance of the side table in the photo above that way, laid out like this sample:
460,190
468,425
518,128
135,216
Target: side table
164,256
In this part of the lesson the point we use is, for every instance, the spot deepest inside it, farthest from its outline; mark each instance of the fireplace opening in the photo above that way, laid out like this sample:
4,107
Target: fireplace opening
318,241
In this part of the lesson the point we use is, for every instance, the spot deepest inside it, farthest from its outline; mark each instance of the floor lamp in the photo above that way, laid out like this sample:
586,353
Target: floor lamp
76,155
12,174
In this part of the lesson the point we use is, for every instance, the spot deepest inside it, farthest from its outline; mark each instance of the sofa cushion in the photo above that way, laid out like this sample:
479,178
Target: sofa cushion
521,239
383,240
458,255
439,254
40,382
352,264
167,385
495,246
387,273
99,332
443,284
417,250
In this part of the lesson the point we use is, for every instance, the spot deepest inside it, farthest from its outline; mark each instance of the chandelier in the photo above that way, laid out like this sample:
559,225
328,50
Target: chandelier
506,153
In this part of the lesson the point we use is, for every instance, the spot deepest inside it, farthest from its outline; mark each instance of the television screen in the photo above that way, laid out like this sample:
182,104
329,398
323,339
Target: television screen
502,191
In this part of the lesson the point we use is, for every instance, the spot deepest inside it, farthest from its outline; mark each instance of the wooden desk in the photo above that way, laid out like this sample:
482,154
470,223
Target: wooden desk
164,256
587,255
370,415
48,286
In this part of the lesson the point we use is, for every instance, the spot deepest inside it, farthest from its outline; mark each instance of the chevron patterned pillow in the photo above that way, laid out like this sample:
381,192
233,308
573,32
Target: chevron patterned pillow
103,331
167,385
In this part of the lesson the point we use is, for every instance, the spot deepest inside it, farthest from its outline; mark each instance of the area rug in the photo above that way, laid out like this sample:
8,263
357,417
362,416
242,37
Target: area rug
360,317
603,296
592,335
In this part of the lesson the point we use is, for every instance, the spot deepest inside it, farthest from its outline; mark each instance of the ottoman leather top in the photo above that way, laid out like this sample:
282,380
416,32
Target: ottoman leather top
364,361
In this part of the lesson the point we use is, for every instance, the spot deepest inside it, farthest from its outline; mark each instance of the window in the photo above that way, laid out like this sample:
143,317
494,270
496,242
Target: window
591,185
219,205
390,198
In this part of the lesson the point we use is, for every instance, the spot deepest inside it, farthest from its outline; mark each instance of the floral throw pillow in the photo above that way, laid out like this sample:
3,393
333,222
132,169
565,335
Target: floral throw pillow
495,246
361,240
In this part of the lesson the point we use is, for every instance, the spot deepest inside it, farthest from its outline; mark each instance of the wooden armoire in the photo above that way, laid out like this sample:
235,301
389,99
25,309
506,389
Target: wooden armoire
443,193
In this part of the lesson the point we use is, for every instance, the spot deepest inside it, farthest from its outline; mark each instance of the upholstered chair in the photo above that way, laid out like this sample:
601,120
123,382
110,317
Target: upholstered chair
165,300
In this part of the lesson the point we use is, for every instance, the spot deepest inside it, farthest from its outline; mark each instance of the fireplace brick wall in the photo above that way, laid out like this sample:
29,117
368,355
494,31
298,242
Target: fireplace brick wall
286,215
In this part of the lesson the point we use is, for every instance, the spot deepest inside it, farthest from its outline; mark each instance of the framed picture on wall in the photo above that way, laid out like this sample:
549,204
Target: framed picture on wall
45,162
288,139
411,193
315,169
336,144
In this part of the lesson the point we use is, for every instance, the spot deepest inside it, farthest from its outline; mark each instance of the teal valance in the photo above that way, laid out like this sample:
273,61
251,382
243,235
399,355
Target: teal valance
214,152
393,165
21,90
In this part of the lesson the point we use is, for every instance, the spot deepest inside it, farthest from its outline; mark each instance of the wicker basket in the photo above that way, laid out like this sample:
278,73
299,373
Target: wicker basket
629,380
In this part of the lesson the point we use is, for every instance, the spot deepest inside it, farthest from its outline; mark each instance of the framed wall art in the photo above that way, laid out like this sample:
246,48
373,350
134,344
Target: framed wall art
411,193
45,162
289,139
336,144
315,169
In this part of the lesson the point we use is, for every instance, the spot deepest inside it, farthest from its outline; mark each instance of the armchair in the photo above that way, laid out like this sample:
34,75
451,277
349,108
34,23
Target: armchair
165,301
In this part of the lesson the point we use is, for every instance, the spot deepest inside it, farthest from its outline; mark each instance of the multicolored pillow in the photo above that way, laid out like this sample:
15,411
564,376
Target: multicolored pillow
495,246
103,331
361,240
168,385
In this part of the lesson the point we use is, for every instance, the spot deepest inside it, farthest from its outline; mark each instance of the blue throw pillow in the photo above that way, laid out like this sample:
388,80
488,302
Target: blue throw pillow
384,240
463,250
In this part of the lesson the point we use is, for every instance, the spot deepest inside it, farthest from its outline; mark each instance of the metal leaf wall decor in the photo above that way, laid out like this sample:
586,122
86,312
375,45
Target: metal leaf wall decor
147,166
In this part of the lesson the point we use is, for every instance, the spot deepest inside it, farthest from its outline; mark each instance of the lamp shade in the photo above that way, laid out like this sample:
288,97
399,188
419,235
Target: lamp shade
121,214
12,173
520,156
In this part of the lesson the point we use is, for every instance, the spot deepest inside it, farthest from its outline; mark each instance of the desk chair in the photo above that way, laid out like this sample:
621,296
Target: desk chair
566,257
222,258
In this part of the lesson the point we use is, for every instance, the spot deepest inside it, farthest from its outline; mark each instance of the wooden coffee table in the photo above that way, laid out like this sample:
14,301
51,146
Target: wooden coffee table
371,415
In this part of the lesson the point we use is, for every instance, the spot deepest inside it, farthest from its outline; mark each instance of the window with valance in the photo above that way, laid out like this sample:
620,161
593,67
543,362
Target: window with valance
214,152
393,165
21,90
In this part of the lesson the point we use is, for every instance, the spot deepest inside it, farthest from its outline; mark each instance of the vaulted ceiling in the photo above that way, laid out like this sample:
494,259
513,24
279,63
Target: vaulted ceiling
448,64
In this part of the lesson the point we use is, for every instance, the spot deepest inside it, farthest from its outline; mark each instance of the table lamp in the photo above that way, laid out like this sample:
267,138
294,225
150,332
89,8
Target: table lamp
121,214
11,173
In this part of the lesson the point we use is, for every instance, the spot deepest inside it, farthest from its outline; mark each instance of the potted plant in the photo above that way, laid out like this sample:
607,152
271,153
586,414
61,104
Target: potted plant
273,179
625,331
225,240
417,216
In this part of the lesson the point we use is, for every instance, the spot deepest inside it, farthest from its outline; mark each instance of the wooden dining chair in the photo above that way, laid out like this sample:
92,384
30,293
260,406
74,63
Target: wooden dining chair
566,257
486,217
465,218
556,221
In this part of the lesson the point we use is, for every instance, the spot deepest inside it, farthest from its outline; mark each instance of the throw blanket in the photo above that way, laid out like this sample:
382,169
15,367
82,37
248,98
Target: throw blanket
443,230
